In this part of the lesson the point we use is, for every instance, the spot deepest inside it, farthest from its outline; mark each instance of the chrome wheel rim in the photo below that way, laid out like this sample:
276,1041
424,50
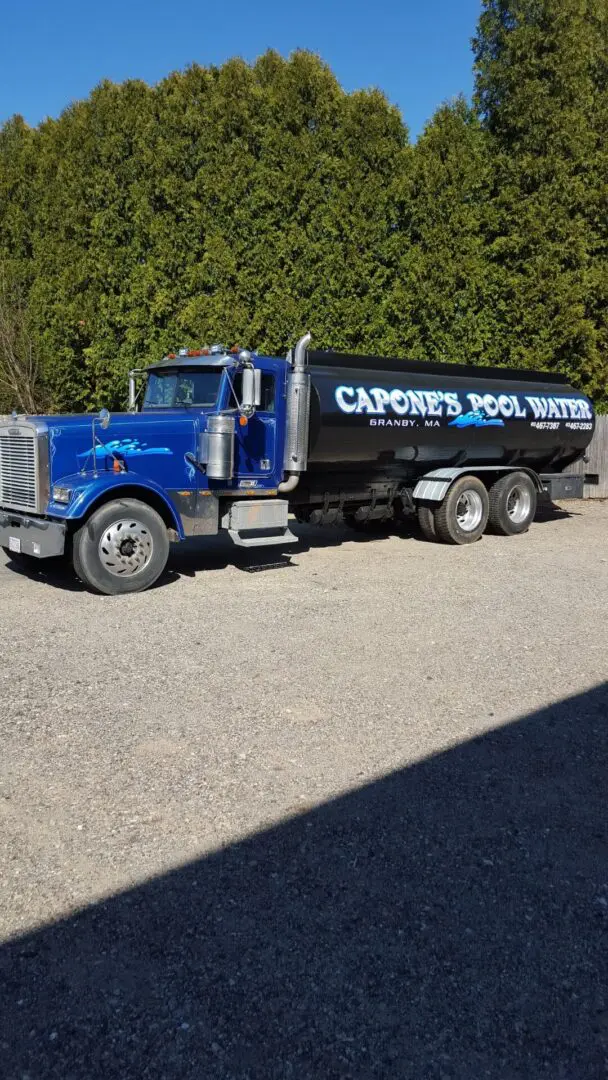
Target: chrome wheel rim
125,547
469,511
518,504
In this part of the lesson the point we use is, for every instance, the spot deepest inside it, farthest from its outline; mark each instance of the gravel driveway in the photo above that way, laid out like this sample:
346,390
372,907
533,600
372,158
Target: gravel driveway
342,815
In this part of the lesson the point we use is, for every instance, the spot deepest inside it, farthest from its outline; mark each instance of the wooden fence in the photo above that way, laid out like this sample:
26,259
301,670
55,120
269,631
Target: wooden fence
597,453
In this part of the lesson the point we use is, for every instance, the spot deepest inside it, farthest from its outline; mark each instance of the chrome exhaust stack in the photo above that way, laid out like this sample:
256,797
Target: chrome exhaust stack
298,417
133,393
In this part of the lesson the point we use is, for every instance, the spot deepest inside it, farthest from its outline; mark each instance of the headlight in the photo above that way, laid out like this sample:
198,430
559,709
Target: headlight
61,494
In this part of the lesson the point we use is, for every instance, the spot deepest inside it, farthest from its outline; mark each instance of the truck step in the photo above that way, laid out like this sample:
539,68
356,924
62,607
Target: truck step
286,537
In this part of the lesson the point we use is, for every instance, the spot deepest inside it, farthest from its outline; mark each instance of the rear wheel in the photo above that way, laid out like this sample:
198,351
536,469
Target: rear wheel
122,548
463,515
513,501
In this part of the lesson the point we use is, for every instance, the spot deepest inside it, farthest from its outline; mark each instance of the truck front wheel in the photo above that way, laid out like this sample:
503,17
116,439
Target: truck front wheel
463,515
122,548
512,504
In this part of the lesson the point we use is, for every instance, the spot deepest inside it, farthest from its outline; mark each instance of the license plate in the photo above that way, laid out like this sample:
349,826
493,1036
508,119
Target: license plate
14,544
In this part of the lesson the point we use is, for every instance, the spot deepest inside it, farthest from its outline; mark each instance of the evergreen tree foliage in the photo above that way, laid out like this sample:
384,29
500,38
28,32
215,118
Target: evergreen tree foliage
86,246
441,290
17,158
238,204
542,93
247,203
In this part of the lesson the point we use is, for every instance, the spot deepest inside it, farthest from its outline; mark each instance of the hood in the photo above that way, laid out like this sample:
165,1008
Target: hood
139,439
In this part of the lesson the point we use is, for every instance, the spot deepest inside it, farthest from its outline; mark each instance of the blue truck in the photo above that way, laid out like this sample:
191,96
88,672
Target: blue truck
226,440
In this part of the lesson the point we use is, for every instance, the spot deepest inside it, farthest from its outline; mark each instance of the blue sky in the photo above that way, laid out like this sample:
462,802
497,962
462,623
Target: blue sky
55,51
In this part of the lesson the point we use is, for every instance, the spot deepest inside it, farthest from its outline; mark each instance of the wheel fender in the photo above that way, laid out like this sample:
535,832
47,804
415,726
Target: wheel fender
90,495
434,486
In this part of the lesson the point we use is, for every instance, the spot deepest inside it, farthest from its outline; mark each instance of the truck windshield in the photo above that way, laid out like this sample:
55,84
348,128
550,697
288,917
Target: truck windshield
190,387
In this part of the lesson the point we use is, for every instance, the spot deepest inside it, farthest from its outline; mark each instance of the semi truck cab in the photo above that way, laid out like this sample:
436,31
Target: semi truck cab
249,394
201,449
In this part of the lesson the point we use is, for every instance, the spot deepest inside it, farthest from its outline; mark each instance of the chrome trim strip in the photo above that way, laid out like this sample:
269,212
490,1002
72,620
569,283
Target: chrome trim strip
44,470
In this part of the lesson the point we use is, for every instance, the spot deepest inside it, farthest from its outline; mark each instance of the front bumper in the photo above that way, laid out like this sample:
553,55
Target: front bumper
31,536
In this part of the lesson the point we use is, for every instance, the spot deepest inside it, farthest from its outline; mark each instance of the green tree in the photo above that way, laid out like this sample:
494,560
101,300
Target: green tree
17,161
441,297
241,204
84,246
246,203
287,190
542,94
20,374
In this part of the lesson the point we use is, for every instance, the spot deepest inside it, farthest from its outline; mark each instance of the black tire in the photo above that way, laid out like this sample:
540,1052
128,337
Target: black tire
426,521
513,501
103,566
467,496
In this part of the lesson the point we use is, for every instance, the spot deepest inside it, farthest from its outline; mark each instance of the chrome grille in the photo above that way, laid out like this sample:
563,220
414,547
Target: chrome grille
18,469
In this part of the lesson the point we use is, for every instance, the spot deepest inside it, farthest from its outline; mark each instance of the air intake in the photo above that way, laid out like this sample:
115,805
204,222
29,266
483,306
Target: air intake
18,469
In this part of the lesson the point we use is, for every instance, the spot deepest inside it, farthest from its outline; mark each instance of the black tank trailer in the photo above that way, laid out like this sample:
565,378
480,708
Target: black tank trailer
466,447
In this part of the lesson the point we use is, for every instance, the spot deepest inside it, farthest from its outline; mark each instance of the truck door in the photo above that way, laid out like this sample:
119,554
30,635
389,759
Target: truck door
256,464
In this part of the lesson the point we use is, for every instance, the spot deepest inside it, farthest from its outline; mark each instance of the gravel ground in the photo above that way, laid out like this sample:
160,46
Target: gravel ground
340,816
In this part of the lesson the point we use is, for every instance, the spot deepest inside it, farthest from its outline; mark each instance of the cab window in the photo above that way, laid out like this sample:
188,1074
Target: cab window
173,389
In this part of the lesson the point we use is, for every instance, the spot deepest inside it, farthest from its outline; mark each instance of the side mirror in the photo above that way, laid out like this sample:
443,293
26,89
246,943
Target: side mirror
104,418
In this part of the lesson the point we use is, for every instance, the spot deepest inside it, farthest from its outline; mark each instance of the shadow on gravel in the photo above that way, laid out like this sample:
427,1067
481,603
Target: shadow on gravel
216,553
447,921
550,511
197,556
192,557
54,572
